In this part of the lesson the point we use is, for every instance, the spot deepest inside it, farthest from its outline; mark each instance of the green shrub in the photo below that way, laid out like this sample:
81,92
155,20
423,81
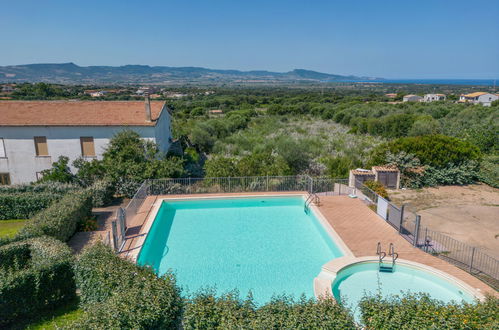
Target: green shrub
465,173
49,187
35,274
25,205
433,150
61,219
378,188
102,193
206,311
118,294
422,312
489,170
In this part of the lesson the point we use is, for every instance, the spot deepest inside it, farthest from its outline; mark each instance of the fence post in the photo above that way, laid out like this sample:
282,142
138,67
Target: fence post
416,230
401,217
115,235
426,239
472,257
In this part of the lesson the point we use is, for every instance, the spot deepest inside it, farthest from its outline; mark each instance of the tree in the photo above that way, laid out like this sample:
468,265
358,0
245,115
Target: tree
220,166
59,172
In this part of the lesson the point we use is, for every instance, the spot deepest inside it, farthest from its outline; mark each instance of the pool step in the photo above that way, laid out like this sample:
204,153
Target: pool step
386,269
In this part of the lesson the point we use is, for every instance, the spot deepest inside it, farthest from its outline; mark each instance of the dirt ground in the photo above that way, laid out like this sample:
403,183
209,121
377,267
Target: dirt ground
469,214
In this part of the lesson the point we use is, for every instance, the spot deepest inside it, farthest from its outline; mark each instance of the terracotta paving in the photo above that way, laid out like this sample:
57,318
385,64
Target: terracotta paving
359,227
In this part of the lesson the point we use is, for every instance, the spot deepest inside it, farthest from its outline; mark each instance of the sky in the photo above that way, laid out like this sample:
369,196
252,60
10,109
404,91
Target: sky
378,38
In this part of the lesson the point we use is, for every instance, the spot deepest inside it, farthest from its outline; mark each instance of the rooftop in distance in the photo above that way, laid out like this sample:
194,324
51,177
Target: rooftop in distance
77,113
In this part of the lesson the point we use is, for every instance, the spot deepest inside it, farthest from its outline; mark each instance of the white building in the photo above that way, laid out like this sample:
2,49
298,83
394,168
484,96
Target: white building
485,99
412,98
434,97
33,134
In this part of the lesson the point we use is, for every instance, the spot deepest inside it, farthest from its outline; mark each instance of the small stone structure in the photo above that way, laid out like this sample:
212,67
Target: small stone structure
387,175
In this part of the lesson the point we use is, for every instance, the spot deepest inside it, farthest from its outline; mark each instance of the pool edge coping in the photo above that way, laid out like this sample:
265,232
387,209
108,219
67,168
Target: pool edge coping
324,281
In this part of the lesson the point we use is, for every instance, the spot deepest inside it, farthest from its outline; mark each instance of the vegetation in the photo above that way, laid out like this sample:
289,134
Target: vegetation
61,219
9,228
378,188
118,294
35,275
421,312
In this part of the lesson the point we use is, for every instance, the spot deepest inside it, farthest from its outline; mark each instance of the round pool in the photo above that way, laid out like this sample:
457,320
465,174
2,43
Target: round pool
365,278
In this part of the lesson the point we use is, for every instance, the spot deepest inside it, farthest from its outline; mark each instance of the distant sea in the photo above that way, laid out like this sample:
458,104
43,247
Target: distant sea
478,82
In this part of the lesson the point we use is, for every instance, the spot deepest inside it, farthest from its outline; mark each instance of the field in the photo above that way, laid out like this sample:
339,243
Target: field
469,213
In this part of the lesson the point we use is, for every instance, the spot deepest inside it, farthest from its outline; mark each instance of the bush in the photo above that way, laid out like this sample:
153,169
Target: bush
464,173
35,275
102,193
49,187
378,188
206,311
61,219
116,293
422,312
25,205
489,170
433,150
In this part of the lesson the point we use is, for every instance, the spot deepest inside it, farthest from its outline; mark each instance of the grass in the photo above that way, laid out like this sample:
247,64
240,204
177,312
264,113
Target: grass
9,228
53,319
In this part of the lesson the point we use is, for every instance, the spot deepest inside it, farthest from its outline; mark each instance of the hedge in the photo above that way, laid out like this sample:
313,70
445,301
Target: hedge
35,275
61,219
25,205
49,187
419,311
102,193
206,311
116,293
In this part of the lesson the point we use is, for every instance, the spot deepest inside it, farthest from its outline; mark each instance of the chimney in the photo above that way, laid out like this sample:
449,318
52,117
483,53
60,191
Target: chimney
148,106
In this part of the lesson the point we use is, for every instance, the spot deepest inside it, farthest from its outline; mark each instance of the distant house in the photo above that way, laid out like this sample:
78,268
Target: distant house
33,134
9,88
483,98
391,95
434,97
412,98
216,112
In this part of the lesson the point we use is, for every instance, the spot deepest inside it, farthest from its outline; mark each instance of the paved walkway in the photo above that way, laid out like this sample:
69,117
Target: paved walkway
359,227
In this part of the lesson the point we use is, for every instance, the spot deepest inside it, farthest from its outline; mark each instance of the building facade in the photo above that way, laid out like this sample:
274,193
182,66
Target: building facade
434,97
482,98
33,135
412,98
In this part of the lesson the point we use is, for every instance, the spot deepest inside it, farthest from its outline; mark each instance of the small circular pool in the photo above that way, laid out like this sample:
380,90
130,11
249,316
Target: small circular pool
365,278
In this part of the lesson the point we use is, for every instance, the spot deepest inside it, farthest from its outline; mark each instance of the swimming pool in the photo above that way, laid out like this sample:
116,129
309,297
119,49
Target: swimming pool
268,245
364,278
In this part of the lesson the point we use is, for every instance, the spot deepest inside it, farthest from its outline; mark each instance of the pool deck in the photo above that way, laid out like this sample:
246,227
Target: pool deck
359,227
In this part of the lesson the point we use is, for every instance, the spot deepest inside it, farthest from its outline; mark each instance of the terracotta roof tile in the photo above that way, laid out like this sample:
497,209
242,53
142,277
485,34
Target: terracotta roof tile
385,169
77,113
362,172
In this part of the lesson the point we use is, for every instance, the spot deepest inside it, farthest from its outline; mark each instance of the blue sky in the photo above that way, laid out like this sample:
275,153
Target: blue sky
392,39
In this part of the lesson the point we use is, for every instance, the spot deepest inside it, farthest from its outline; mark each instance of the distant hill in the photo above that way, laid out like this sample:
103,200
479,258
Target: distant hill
70,73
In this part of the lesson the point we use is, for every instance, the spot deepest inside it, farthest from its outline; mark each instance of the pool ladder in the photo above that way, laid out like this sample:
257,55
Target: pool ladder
381,255
311,198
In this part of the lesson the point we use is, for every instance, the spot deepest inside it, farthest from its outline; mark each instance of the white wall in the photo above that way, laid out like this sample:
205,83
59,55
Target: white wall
487,99
163,132
22,163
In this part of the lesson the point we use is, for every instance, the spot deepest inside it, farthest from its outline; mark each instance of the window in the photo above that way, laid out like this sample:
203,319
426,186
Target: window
3,153
87,146
4,179
41,146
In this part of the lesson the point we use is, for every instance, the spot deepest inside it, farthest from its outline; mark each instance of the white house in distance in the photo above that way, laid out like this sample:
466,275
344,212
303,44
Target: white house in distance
485,99
33,134
412,98
434,97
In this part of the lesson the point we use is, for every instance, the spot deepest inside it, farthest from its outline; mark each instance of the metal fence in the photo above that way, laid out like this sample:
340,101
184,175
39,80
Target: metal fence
407,222
402,218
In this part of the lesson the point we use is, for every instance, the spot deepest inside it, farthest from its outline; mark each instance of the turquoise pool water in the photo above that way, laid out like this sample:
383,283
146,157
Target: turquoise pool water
266,245
353,282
